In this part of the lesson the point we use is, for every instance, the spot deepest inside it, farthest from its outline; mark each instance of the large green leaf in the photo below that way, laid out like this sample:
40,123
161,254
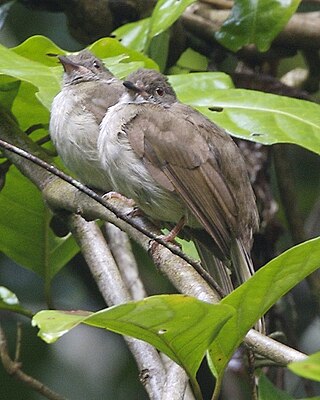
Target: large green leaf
309,368
46,79
32,62
259,293
255,22
24,229
107,48
260,117
180,326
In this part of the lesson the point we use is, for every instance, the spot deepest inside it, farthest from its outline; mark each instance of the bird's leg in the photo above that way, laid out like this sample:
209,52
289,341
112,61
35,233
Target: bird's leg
170,237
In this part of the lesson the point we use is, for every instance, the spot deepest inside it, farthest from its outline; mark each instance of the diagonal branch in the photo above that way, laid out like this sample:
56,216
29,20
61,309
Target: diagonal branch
63,196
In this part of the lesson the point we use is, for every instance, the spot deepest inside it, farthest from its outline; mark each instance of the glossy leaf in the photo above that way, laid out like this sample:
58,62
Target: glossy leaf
259,293
166,13
256,116
309,368
255,22
192,87
32,62
134,35
180,326
193,61
10,302
138,35
24,229
107,48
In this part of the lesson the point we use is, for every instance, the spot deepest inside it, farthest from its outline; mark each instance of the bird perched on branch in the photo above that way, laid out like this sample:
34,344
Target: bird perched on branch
180,168
89,89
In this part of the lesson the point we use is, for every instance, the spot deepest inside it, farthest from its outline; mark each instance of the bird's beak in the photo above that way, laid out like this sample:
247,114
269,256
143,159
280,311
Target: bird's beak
138,89
70,66
131,86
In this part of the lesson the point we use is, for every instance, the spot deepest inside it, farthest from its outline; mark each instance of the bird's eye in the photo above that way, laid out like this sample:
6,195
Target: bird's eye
96,64
160,91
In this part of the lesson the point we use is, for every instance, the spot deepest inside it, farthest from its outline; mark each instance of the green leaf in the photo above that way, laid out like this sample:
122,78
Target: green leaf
180,326
46,79
138,35
24,229
255,22
256,116
9,87
193,61
165,14
267,391
108,48
254,298
134,35
308,368
159,48
10,302
31,63
191,88
45,50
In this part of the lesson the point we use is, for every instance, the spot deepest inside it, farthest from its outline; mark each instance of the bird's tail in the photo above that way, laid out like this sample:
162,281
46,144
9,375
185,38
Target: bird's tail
243,268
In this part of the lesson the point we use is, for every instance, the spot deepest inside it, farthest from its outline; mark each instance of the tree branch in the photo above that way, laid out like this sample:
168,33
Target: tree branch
61,195
107,276
120,247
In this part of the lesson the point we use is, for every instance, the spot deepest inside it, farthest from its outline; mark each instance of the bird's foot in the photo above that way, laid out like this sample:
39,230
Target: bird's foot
115,195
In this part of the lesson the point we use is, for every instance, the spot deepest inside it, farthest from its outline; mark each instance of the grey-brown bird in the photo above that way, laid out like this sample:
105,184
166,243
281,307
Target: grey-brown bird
178,166
88,90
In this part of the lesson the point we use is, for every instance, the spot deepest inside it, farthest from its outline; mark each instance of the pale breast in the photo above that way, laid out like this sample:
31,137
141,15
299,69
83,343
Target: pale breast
127,172
74,132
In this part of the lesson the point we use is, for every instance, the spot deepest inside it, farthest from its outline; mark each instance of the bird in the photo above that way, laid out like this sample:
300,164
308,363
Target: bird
181,168
88,90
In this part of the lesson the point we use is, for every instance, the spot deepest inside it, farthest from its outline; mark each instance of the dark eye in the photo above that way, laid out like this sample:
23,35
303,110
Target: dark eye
160,91
96,64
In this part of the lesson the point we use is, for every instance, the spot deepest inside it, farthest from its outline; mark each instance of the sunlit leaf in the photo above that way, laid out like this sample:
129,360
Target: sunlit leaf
138,35
309,368
165,13
259,293
260,117
182,327
193,61
134,35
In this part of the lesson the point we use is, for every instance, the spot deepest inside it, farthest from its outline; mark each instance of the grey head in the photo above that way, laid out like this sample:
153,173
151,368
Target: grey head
83,67
147,85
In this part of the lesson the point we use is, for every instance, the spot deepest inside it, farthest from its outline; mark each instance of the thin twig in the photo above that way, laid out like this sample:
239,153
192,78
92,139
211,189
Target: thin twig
13,368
